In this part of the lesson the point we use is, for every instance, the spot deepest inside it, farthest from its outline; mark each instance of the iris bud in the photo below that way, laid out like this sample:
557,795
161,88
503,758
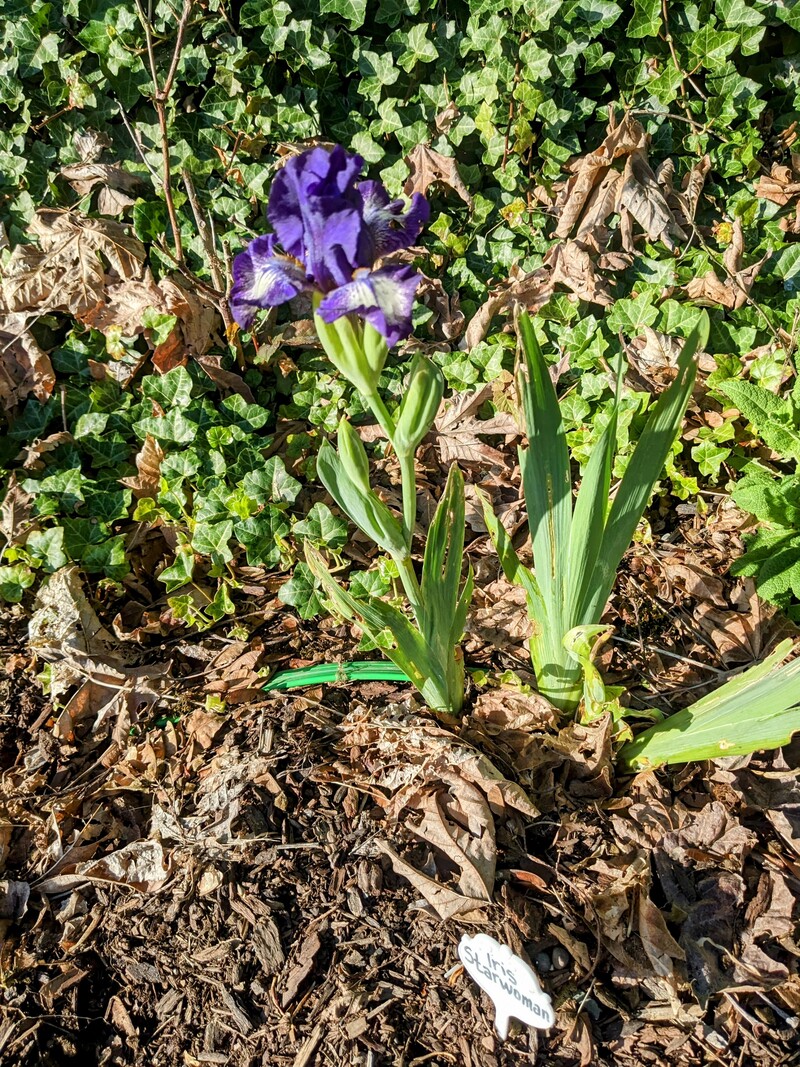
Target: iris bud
353,456
419,406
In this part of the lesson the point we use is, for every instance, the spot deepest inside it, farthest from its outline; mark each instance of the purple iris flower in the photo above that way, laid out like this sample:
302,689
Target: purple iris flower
331,230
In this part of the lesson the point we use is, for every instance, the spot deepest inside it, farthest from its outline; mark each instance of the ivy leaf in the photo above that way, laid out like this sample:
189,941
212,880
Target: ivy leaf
322,528
14,580
631,316
211,539
352,11
171,389
180,571
300,592
646,21
263,536
272,484
47,546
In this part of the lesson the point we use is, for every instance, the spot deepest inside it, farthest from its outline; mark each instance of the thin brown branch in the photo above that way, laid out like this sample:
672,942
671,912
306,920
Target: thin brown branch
207,237
696,127
161,96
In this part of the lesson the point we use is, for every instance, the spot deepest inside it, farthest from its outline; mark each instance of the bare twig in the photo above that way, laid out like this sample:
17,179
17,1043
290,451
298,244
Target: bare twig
207,237
137,144
696,127
161,94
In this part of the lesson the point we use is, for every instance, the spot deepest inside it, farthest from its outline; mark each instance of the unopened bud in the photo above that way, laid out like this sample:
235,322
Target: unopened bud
353,456
419,406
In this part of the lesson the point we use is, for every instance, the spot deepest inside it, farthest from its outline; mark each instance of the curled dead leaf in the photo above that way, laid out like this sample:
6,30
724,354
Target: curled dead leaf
531,291
428,167
148,464
24,367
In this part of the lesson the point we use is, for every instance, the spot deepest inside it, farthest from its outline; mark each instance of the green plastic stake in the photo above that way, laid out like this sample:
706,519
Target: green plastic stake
322,673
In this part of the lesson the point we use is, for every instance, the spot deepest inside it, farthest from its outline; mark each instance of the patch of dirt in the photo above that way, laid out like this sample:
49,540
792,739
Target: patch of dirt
217,890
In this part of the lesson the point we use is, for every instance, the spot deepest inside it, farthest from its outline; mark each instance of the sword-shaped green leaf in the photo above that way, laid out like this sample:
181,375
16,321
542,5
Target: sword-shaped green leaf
757,710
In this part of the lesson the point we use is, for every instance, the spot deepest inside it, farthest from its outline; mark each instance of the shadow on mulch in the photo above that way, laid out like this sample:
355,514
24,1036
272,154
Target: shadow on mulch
267,927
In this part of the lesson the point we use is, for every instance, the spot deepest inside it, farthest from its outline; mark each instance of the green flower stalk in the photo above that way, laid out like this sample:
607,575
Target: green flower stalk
428,652
331,233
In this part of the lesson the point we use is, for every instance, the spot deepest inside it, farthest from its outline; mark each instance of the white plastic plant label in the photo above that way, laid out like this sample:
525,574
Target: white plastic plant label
509,981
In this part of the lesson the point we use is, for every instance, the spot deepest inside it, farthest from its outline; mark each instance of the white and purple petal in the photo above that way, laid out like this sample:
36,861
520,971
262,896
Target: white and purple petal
263,279
389,223
384,298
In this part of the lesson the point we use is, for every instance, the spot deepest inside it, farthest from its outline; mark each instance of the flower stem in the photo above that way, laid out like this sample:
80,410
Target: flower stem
381,413
408,480
408,577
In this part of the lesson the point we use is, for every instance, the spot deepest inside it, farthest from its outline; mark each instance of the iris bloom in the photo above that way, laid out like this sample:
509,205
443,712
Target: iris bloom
329,231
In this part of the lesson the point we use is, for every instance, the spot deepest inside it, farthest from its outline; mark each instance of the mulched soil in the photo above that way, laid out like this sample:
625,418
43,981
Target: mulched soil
187,887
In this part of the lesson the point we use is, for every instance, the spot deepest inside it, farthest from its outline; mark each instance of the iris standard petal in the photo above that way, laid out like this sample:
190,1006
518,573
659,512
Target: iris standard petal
262,279
308,193
391,225
384,298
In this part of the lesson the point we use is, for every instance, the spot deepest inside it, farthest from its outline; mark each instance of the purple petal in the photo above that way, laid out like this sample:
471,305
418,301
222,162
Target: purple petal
383,297
314,209
390,226
262,279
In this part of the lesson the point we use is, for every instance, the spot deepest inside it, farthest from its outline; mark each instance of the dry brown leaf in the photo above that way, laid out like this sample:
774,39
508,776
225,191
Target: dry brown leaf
692,186
148,463
590,170
84,176
15,512
140,865
124,304
531,291
695,580
113,201
601,203
500,617
640,194
659,944
65,630
445,119
782,184
399,749
458,431
734,291
572,267
67,269
448,318
428,167
24,367
445,902
228,381
457,822
90,145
